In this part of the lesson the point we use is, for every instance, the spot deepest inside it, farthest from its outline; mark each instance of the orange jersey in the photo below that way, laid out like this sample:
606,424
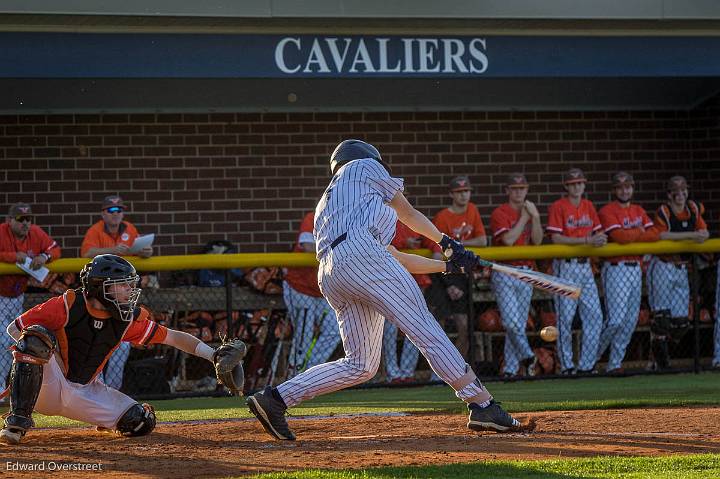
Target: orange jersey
97,236
55,314
463,226
400,241
627,225
503,219
573,221
304,280
35,242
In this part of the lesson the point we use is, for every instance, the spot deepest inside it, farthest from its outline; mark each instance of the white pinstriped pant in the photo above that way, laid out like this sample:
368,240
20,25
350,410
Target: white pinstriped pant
513,299
623,290
590,315
362,289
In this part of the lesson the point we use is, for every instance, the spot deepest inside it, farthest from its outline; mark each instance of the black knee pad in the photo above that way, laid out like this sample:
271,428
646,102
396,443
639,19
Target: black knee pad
37,342
139,420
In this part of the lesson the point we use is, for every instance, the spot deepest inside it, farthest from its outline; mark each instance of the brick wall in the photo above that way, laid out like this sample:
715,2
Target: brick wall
249,178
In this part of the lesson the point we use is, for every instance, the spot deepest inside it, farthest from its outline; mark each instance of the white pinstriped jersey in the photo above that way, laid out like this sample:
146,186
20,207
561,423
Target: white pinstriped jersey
355,203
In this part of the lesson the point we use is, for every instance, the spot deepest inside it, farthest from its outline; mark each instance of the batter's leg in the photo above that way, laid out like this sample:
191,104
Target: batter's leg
361,331
329,336
395,294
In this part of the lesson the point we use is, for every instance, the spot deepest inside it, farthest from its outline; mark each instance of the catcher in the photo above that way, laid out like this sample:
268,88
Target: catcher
64,343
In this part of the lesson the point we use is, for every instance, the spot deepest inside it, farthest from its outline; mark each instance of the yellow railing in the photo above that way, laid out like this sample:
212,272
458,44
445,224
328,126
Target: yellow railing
250,260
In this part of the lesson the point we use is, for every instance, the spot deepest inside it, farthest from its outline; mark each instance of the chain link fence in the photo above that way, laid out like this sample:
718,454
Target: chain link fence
635,315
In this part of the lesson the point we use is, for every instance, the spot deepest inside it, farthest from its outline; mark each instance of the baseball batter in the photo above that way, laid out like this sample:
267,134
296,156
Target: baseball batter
624,222
573,220
308,310
515,223
366,281
63,344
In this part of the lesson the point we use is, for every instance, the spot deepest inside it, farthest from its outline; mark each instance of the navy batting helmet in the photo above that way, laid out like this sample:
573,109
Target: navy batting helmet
113,281
349,150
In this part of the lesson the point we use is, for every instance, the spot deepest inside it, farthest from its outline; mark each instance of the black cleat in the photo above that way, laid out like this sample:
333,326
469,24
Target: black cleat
490,418
271,414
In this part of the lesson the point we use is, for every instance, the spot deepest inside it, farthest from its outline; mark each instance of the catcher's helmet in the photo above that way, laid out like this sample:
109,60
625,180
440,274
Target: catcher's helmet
349,150
105,271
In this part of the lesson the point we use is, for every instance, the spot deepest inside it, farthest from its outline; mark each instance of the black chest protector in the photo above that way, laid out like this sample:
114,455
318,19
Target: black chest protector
676,225
90,340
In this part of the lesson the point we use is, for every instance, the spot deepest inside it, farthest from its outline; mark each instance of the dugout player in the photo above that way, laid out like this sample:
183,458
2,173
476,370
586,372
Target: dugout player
368,282
63,344
624,222
515,223
308,310
669,289
19,239
460,221
573,220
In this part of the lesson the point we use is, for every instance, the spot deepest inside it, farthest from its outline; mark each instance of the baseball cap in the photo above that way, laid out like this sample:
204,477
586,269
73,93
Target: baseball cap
677,183
574,175
20,209
460,183
517,180
112,200
622,177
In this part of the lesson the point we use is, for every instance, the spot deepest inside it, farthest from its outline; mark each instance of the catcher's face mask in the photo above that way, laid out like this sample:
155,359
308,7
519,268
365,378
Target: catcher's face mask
124,294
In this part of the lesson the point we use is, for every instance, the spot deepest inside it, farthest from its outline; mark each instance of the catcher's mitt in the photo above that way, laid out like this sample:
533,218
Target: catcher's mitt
228,365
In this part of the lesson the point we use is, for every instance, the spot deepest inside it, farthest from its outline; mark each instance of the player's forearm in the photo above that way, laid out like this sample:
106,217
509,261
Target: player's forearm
417,264
675,236
514,233
189,344
536,232
478,241
557,238
413,219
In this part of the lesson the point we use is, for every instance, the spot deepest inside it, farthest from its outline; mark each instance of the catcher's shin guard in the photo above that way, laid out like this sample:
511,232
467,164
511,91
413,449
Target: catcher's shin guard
34,348
661,352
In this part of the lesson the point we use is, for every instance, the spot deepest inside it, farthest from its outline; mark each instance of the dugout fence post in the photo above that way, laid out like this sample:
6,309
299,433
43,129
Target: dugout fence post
229,304
694,296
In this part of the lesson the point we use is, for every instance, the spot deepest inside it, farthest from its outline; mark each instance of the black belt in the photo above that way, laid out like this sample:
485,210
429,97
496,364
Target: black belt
338,240
626,263
577,260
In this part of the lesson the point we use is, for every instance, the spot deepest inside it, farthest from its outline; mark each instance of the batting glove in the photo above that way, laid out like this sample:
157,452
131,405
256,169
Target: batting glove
461,263
450,246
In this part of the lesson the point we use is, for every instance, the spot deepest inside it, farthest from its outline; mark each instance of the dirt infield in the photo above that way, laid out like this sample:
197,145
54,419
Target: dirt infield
217,449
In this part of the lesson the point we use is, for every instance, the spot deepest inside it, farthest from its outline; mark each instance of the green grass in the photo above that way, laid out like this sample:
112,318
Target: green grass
675,467
588,393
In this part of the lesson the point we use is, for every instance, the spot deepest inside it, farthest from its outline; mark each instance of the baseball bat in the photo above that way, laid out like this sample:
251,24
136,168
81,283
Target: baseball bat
544,282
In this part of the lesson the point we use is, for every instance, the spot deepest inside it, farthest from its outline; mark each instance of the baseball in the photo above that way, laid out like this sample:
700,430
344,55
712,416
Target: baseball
549,333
